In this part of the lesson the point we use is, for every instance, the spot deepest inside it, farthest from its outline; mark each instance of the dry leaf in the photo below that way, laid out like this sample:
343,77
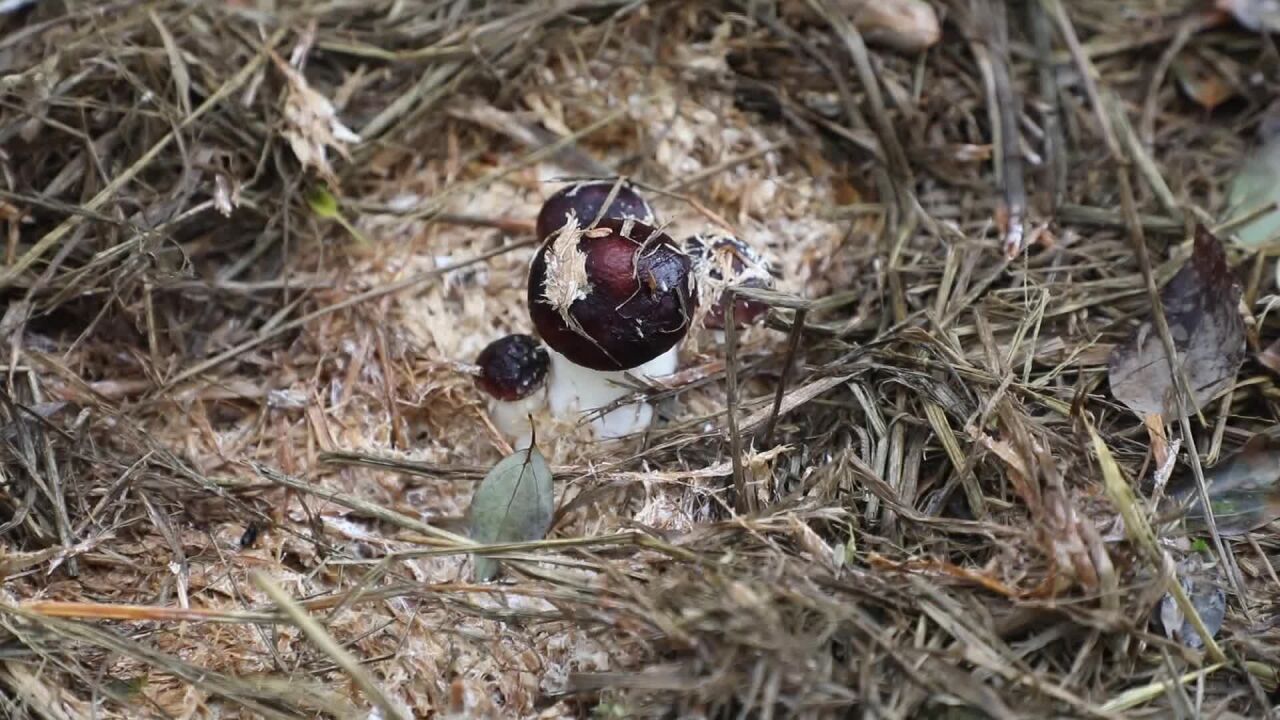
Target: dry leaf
1244,490
1204,587
1201,81
1201,307
1257,15
1270,356
904,25
1256,184
312,125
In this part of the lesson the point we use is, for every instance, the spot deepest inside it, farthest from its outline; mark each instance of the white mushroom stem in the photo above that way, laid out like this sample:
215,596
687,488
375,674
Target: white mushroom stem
512,418
574,388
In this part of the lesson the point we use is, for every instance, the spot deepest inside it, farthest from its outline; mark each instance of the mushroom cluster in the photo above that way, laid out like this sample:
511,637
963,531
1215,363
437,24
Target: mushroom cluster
611,296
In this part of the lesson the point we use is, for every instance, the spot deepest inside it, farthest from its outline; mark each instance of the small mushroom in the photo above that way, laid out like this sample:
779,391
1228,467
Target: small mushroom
582,201
721,261
512,370
608,300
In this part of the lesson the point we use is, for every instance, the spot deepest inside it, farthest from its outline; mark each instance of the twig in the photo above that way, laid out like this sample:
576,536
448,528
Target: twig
745,500
1182,388
899,168
58,495
1147,122
321,639
1055,146
371,509
1003,106
720,167
793,347
1140,531
1087,72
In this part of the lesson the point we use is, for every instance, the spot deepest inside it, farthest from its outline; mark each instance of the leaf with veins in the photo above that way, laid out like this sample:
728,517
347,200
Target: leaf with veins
514,503
1201,306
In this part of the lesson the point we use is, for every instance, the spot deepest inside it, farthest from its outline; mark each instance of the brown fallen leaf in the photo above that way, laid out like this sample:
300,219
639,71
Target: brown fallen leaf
1202,81
1270,356
1201,307
905,25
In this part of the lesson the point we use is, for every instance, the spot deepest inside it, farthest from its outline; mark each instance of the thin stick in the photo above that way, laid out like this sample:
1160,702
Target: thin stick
1004,121
321,639
517,226
141,613
745,501
1129,208
61,519
895,156
1087,72
438,202
793,347
1054,139
373,510
720,167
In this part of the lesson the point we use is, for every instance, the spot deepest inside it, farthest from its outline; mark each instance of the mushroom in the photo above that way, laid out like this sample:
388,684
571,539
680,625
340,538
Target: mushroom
721,261
512,370
582,201
608,300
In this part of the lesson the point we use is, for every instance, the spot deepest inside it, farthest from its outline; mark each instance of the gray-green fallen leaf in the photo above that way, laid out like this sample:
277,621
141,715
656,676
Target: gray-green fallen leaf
514,503
1256,185
1244,489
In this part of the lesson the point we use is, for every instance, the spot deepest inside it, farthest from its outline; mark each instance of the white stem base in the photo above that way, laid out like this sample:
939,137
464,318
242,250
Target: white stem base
573,388
512,418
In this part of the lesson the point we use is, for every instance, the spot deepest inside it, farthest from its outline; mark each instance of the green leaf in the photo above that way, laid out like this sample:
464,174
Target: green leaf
513,503
323,203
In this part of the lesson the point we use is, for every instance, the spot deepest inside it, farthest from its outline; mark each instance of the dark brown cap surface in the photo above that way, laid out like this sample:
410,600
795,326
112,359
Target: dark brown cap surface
583,201
512,367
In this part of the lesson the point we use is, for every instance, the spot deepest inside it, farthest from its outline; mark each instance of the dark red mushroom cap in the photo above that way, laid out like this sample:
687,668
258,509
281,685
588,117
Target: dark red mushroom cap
611,297
512,367
726,260
584,199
